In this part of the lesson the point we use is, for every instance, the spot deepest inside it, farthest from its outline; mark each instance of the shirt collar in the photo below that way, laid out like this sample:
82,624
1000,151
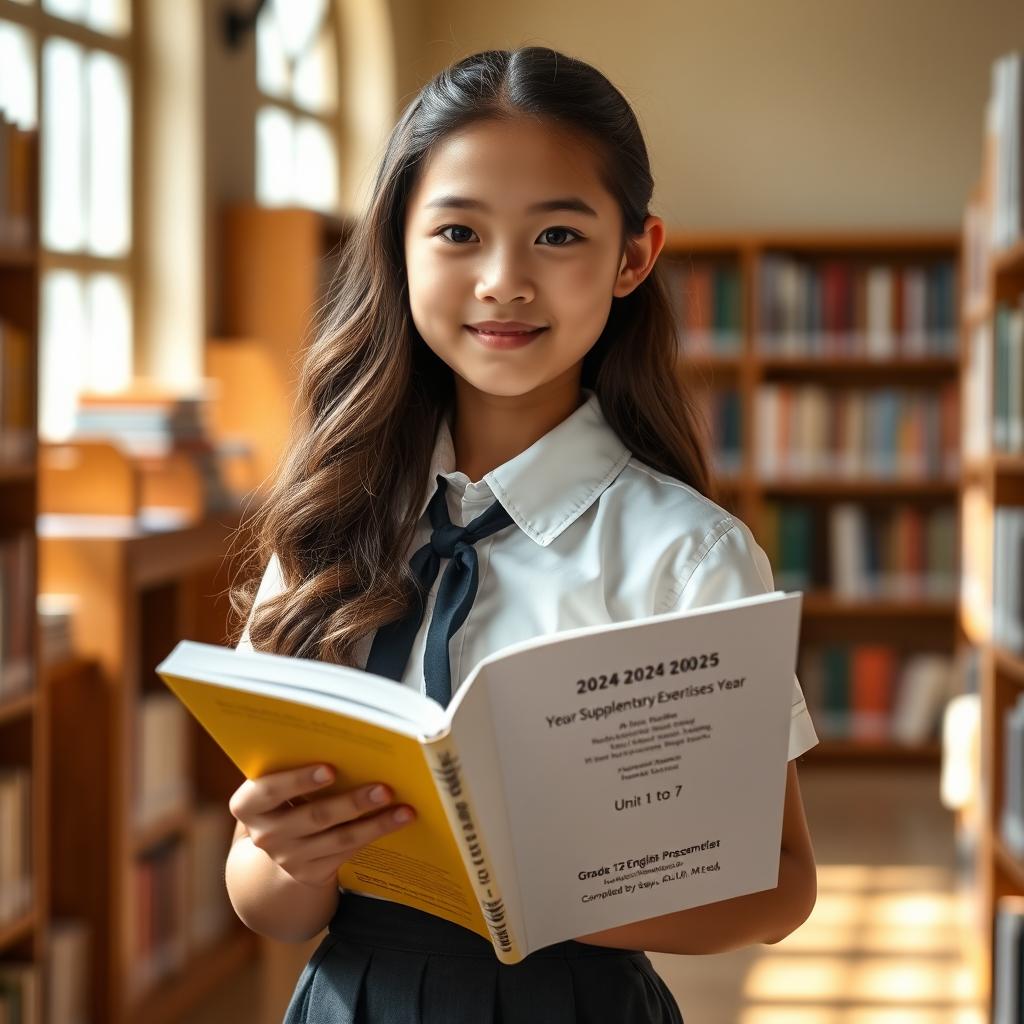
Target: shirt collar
547,487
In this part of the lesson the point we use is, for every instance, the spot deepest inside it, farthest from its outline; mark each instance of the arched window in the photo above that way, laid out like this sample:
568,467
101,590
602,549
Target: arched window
67,69
297,121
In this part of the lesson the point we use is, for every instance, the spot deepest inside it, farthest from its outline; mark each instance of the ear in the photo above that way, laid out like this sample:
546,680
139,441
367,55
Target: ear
640,256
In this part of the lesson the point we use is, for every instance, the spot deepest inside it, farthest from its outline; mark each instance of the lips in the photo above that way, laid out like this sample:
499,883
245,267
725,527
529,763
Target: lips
504,335
505,327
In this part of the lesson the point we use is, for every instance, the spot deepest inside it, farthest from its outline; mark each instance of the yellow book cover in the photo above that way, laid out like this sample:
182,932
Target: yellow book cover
564,788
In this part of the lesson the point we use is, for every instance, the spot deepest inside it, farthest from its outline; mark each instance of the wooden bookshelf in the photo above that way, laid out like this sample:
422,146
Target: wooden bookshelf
276,266
991,479
23,714
908,625
138,592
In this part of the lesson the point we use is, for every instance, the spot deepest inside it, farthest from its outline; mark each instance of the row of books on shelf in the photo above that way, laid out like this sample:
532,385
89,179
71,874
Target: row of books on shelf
18,173
812,307
1008,961
21,993
852,309
1004,141
808,430
15,842
162,777
858,552
875,692
181,905
709,307
989,592
66,974
722,409
17,430
993,388
1008,578
17,584
68,971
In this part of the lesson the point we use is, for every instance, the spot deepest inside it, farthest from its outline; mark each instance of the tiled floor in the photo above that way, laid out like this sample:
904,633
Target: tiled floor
884,942
883,945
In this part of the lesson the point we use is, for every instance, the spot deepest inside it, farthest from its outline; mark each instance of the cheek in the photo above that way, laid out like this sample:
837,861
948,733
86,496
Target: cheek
434,287
584,297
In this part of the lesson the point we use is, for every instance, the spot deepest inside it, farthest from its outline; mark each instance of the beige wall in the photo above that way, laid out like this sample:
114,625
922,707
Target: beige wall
778,113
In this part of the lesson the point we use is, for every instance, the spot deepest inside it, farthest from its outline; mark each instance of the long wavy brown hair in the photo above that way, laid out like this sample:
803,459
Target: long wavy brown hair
342,510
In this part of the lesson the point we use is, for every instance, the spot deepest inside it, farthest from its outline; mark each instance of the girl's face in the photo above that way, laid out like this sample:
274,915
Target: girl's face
508,221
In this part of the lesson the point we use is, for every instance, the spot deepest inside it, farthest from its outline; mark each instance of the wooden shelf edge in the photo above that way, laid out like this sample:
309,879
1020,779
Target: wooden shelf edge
847,364
837,751
1010,260
908,240
17,930
17,472
1012,866
1009,664
843,486
18,706
825,605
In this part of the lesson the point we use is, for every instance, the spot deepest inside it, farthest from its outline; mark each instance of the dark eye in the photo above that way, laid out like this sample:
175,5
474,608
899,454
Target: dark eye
557,231
454,227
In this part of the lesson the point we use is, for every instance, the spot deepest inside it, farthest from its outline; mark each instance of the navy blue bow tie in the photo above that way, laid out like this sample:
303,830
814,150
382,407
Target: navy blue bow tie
393,642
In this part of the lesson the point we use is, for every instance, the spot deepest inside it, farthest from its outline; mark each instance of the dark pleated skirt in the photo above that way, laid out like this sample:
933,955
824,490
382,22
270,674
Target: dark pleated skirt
385,963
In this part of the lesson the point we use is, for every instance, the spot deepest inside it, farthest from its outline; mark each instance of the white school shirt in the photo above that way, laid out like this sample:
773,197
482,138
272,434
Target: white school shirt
598,537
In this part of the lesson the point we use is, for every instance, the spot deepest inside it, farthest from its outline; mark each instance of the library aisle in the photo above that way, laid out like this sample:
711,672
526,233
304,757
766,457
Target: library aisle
843,203
884,944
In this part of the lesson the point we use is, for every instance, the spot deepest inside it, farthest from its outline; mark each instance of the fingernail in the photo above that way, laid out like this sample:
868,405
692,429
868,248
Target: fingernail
378,795
402,814
322,774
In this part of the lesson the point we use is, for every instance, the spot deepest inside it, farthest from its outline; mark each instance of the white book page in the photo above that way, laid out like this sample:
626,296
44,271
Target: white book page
644,769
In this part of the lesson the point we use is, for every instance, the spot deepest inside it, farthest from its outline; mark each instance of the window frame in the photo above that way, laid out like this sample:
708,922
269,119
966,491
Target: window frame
331,121
43,25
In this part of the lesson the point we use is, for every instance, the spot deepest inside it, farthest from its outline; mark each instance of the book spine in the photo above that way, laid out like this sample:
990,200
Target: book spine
446,767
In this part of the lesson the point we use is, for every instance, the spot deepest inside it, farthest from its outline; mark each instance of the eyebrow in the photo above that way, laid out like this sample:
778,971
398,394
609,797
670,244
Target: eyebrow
571,203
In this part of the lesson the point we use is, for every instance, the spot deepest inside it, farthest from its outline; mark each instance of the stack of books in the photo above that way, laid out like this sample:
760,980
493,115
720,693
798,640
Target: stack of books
151,424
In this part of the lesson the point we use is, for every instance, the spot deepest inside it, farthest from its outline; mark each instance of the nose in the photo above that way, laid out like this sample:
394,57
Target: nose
503,281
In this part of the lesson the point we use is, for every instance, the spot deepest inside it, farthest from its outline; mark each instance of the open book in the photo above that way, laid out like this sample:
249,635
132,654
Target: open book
576,781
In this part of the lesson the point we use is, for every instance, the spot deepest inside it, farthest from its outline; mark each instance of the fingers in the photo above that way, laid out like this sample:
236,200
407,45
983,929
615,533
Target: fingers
269,792
343,840
328,811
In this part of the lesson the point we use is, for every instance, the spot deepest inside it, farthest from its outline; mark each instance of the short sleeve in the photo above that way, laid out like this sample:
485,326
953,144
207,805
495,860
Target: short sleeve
735,566
271,584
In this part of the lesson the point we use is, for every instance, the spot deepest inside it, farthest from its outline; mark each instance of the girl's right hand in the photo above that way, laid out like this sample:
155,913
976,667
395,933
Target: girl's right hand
311,839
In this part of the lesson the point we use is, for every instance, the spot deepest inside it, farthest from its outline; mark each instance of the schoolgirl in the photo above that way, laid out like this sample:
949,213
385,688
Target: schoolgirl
494,444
